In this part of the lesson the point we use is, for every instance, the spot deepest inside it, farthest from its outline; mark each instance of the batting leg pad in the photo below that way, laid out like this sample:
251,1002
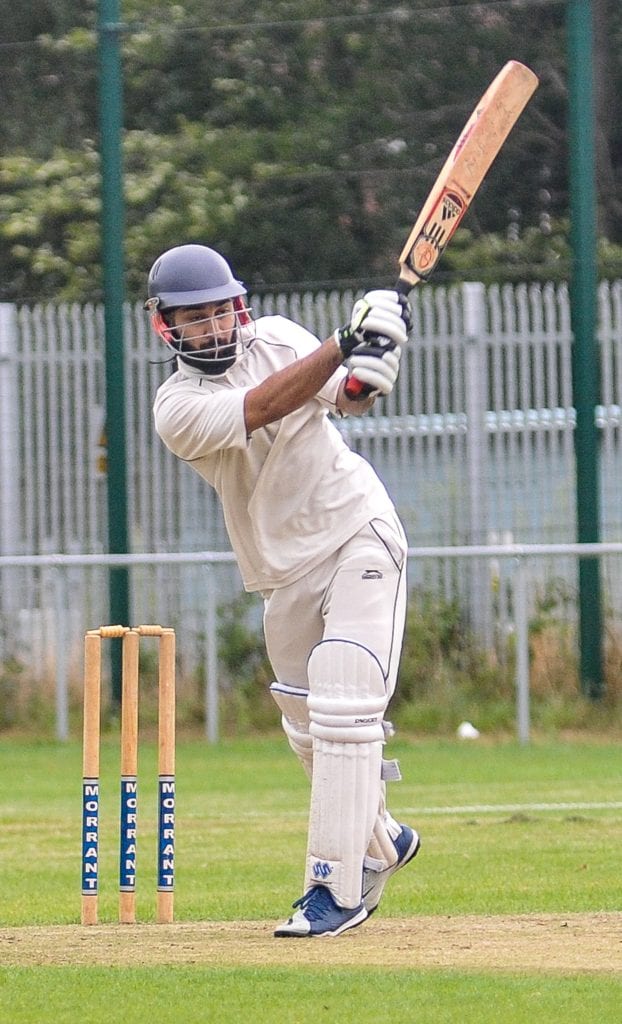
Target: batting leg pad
347,699
292,703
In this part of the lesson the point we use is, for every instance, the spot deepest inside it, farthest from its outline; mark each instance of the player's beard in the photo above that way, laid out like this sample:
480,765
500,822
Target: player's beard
212,365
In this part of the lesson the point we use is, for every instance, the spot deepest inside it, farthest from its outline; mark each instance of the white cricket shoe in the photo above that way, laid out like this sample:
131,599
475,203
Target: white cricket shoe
407,846
318,914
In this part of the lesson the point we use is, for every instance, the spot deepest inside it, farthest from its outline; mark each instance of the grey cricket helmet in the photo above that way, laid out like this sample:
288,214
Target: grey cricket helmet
191,275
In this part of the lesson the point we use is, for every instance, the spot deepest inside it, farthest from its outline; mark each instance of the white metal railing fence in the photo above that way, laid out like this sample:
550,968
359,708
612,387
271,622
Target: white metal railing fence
475,445
64,635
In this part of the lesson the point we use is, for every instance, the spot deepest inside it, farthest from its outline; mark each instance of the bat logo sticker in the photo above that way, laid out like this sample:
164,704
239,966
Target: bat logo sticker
424,256
453,206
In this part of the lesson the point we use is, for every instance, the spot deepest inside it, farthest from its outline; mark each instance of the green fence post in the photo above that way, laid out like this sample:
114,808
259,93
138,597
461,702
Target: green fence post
584,283
111,119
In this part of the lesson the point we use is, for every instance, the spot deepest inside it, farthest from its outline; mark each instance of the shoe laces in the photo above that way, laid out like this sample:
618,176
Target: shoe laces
315,903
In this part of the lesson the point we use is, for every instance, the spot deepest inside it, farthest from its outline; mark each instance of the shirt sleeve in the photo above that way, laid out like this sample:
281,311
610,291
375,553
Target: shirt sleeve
328,394
195,422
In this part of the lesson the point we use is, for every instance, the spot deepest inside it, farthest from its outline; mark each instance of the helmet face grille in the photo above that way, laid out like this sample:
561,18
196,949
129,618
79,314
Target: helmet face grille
211,344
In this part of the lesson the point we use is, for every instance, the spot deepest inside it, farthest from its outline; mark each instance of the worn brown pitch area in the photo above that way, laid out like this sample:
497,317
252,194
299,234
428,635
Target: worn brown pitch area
560,943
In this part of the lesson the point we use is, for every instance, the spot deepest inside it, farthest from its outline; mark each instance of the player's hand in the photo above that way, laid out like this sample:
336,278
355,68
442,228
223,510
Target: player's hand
379,314
374,365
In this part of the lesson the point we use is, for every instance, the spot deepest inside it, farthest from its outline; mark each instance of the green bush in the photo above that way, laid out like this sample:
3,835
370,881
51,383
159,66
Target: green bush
245,672
10,673
446,676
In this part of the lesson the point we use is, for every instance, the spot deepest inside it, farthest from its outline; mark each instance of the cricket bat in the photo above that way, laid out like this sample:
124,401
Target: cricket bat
461,175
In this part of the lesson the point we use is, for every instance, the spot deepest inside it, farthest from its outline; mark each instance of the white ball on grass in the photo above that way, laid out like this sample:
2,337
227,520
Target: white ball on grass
467,731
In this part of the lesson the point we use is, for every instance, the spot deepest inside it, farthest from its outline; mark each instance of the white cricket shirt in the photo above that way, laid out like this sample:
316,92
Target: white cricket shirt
292,492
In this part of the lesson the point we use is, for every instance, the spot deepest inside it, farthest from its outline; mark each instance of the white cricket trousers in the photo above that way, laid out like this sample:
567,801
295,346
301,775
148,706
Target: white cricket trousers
358,593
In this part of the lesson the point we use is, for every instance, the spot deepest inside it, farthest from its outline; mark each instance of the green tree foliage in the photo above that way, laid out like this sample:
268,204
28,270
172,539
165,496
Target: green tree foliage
47,78
533,255
300,139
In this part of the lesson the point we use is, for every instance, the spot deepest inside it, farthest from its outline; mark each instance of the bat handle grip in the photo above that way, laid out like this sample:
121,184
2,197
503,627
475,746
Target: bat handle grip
354,389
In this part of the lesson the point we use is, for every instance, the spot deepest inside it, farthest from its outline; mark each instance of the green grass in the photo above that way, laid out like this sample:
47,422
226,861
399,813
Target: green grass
232,862
231,996
240,848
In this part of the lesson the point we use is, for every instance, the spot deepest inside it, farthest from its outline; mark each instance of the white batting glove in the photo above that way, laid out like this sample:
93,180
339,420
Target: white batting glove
375,365
384,313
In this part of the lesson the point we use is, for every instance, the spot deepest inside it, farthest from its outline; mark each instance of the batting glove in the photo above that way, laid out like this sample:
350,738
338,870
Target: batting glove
381,314
376,366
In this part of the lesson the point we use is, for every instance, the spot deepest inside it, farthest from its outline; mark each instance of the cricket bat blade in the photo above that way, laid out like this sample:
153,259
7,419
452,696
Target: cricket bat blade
459,179
464,170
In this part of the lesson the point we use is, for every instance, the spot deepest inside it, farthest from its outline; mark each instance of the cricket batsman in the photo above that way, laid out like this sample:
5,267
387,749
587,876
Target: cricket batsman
315,533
